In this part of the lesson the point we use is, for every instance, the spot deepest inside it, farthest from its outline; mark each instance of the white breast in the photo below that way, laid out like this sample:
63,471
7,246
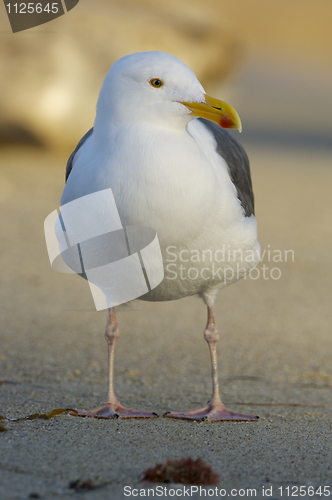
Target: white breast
174,182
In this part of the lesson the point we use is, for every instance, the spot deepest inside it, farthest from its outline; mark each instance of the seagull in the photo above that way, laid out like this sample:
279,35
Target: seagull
159,143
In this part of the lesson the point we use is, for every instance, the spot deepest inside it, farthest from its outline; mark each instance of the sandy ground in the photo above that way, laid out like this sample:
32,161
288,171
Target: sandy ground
274,352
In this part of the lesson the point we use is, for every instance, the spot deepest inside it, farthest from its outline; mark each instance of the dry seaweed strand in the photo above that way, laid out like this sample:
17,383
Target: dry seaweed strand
2,428
42,416
183,471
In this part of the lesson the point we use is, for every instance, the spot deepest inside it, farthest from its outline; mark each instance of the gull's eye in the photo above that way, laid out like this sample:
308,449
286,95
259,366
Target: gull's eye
156,82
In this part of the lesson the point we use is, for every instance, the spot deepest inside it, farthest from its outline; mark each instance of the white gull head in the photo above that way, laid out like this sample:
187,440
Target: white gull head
148,87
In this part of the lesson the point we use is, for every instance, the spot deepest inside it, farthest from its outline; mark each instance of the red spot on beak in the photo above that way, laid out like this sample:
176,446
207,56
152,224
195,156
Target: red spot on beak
226,122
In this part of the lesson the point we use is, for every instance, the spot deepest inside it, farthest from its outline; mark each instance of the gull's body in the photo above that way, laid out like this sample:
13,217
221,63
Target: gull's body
184,177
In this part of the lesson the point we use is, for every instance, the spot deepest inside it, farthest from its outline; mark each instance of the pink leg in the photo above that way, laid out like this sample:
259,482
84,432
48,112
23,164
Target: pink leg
112,408
215,409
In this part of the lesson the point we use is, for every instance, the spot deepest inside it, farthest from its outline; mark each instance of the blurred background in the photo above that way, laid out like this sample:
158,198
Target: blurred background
270,59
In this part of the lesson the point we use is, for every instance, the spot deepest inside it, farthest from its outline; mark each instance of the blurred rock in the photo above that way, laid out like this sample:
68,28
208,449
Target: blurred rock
52,74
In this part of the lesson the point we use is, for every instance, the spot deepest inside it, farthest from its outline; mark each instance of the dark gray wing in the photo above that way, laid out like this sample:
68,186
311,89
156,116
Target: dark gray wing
237,162
71,157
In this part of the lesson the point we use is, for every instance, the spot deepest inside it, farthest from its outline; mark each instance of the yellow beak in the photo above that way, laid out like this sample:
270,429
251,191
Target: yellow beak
217,111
